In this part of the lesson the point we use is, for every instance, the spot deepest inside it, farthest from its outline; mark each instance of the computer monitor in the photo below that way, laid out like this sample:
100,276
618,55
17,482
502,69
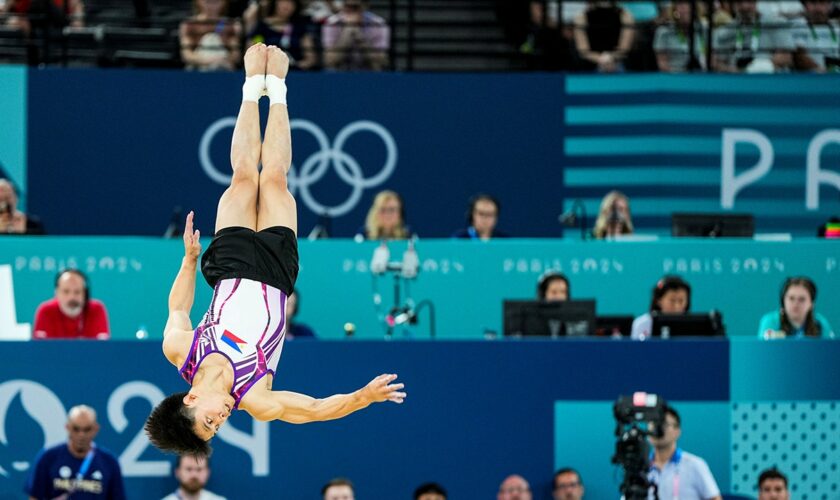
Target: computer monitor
548,319
687,325
712,225
613,326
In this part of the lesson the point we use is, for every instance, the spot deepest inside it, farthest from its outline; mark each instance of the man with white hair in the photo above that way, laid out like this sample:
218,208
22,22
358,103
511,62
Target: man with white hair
78,467
71,313
514,487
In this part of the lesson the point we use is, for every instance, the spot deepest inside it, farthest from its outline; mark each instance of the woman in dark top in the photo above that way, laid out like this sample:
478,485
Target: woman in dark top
604,35
283,27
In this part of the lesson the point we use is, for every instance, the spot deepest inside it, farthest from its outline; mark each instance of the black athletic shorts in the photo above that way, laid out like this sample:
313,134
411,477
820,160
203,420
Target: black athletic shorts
269,256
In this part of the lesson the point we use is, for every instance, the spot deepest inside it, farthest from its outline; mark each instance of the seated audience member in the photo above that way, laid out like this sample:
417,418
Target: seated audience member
320,10
355,38
210,41
678,473
71,314
12,220
604,35
614,217
567,485
671,42
430,491
39,15
753,43
385,219
514,487
816,37
671,295
482,217
553,286
796,316
773,485
283,27
51,477
192,473
784,9
338,489
296,330
547,45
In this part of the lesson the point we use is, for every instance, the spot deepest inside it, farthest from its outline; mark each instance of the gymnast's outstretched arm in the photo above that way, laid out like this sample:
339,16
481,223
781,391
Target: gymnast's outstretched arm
177,333
299,408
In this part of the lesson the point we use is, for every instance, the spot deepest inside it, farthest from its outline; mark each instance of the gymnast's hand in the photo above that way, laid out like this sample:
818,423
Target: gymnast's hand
192,245
381,389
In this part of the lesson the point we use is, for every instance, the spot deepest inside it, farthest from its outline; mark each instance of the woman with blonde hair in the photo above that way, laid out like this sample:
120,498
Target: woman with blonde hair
613,217
386,218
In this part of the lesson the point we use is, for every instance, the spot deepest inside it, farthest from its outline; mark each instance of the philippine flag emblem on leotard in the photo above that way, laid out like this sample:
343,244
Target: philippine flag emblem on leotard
233,341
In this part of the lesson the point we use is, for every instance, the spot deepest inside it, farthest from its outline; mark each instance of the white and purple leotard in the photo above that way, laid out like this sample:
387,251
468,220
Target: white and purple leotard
246,323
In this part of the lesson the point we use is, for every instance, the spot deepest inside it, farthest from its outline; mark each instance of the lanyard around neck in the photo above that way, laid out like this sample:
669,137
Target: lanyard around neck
739,38
830,28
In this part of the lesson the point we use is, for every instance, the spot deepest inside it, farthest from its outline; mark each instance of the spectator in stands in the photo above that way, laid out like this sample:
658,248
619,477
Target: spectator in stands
816,37
296,330
796,316
567,485
614,217
784,9
93,469
12,220
71,314
753,43
430,491
514,487
482,217
553,286
338,489
677,472
604,35
385,219
671,295
192,473
283,27
356,39
210,41
773,485
547,45
320,10
671,42
29,15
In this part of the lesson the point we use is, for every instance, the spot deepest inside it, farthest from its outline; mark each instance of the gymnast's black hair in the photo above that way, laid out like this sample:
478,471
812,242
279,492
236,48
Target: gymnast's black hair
170,428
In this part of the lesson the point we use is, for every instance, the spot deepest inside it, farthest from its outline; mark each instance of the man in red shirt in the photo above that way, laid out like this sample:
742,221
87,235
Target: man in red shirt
72,314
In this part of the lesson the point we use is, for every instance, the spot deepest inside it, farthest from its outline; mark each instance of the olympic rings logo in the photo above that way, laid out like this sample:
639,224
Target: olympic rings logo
316,166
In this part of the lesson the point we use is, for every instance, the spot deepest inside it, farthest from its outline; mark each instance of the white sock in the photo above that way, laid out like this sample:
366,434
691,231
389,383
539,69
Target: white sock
253,88
276,89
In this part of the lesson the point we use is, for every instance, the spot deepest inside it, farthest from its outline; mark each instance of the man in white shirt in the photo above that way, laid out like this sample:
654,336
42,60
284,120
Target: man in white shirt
679,474
817,38
192,474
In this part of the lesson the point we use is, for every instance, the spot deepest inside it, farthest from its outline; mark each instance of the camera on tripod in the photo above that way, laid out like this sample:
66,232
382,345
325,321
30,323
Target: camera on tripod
637,417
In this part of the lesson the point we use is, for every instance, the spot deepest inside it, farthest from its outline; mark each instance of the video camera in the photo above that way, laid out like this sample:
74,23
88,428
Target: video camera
637,417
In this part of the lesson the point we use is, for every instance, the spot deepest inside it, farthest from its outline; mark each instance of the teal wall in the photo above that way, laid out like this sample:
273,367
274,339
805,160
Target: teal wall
13,125
466,281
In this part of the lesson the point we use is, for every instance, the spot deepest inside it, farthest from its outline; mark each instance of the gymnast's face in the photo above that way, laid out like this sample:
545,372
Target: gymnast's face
210,412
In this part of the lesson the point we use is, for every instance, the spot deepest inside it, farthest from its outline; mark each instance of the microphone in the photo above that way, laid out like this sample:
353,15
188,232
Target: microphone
379,262
410,262
568,218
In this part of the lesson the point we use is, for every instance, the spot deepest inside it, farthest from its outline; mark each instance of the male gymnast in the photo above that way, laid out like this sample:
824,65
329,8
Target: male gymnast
252,264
